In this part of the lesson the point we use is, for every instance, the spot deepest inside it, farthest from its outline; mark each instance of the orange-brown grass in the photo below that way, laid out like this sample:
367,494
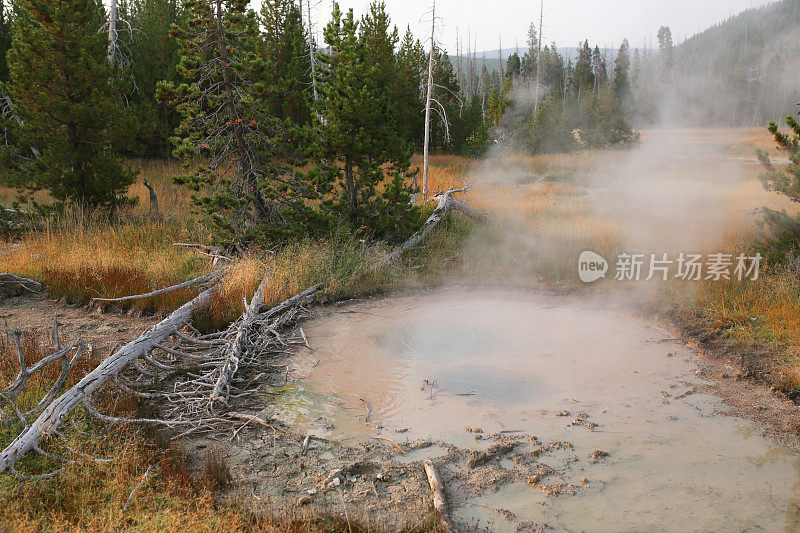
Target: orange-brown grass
80,256
342,264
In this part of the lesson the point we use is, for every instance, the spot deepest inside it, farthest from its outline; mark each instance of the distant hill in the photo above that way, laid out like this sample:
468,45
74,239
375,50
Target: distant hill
745,70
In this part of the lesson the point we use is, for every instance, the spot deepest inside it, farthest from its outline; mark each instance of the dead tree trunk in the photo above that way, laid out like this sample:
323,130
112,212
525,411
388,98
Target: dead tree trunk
234,354
428,98
438,497
538,62
154,212
312,53
112,31
446,203
54,414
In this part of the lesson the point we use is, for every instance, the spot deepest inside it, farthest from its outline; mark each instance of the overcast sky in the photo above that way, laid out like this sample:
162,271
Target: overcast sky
603,22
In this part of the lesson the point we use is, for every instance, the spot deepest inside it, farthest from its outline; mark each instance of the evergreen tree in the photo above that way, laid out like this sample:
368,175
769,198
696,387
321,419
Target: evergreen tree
665,52
601,78
284,48
597,61
785,180
781,231
67,97
553,70
238,147
411,63
583,74
622,83
513,66
153,58
5,38
529,60
359,141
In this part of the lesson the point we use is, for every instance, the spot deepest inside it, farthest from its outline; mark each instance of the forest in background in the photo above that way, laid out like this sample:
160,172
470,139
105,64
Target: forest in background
745,61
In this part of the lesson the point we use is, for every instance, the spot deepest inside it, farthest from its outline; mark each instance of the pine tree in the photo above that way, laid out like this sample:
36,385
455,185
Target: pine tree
583,74
781,231
358,134
411,62
531,54
239,148
513,66
785,180
5,38
597,61
153,57
66,96
284,48
665,52
622,83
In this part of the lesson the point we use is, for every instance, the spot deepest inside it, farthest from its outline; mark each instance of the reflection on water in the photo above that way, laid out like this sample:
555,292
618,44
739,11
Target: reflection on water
428,366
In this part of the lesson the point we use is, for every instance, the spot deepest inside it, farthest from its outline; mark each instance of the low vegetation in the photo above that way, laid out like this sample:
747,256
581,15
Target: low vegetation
295,161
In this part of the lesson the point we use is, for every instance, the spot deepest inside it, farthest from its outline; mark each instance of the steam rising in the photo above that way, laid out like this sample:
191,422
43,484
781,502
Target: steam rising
678,190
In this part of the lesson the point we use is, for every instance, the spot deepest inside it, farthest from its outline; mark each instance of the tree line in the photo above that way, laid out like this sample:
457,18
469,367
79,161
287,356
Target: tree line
280,135
541,101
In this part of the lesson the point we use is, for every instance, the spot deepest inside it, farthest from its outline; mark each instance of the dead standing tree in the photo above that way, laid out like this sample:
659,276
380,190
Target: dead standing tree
428,99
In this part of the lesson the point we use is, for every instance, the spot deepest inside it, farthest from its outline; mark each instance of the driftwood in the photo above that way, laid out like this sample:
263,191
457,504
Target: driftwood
234,353
446,203
27,284
438,497
256,331
215,253
132,495
16,387
54,414
211,276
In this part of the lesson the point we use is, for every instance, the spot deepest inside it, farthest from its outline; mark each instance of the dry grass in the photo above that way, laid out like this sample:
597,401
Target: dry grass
80,256
91,496
341,263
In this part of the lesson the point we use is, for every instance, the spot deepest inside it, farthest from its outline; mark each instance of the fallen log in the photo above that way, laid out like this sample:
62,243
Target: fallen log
131,496
51,418
438,497
11,279
251,318
196,281
446,203
215,253
234,353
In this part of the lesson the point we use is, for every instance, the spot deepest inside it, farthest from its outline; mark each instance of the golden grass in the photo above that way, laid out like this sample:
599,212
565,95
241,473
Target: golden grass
80,256
342,264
